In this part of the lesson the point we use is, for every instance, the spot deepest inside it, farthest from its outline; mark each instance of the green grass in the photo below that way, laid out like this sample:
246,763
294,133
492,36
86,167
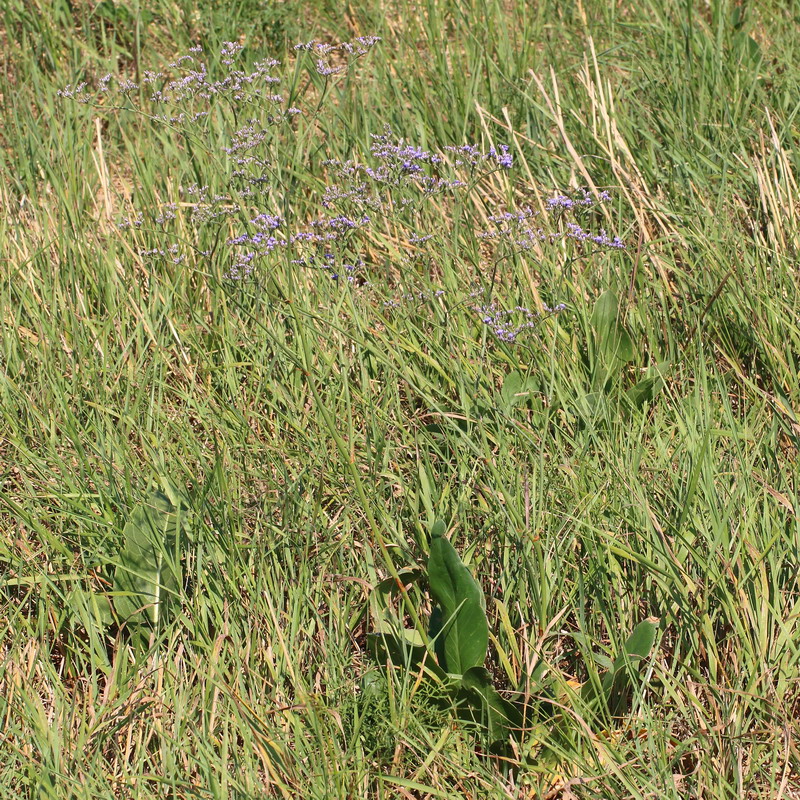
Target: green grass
319,433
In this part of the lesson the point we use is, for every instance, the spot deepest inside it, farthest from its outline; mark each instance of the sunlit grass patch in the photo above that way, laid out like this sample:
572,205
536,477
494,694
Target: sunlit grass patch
327,330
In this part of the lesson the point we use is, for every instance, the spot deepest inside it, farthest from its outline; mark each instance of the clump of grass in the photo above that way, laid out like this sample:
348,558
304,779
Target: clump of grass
320,425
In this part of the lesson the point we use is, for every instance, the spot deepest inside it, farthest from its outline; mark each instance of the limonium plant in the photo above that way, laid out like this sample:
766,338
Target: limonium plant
242,215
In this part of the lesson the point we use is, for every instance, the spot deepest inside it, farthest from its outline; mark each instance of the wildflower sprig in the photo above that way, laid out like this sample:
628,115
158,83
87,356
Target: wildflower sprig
524,228
184,96
332,59
508,323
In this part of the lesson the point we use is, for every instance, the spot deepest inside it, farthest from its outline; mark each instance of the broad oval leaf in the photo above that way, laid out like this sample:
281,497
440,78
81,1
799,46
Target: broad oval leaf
404,649
517,388
605,314
463,637
90,608
615,688
613,343
497,716
637,647
147,578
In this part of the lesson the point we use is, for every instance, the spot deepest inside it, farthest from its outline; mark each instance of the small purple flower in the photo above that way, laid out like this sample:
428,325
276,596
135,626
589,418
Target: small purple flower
126,222
267,221
167,214
508,324
368,41
470,155
125,85
78,92
563,202
324,69
560,201
502,156
229,51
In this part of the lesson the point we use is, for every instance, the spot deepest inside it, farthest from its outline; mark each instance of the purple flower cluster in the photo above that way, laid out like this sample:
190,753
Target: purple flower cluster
341,223
265,242
229,51
248,137
584,200
574,231
167,214
328,229
520,229
505,324
358,47
399,156
470,155
323,50
187,79
206,207
399,174
79,92
358,194
187,88
520,217
172,253
336,270
195,83
508,324
392,183
319,235
243,267
324,69
516,228
268,221
126,223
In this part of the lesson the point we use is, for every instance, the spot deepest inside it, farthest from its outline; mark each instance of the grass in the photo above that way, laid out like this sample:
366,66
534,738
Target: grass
319,433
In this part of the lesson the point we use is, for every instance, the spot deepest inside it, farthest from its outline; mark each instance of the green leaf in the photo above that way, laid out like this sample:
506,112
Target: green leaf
605,314
517,389
623,346
386,590
372,683
397,649
496,715
463,638
91,608
618,681
644,391
147,579
613,344
404,649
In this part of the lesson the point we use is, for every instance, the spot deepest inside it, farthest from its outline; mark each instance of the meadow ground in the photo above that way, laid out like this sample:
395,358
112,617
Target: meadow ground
609,433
